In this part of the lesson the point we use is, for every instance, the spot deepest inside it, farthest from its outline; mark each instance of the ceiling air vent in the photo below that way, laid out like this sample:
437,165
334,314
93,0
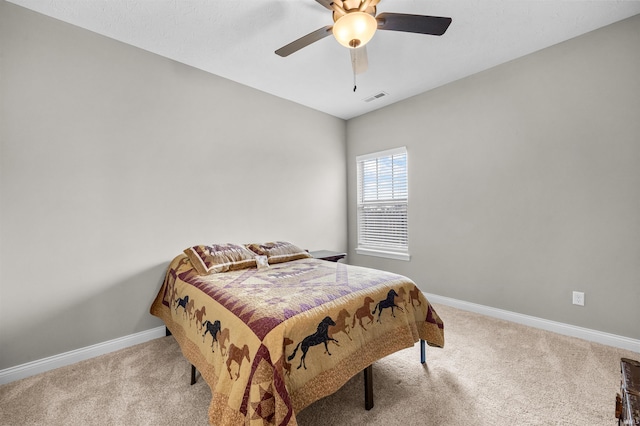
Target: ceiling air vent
376,96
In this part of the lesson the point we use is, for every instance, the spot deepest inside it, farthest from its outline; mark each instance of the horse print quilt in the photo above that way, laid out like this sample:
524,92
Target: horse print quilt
270,342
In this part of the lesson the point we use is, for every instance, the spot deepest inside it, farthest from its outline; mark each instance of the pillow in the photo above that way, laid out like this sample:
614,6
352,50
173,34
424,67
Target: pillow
208,259
279,251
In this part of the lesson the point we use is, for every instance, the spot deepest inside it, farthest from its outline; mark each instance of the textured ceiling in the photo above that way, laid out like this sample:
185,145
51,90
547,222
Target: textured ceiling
236,39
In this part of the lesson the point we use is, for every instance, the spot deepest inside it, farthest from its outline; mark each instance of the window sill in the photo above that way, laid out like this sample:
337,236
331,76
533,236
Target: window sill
387,254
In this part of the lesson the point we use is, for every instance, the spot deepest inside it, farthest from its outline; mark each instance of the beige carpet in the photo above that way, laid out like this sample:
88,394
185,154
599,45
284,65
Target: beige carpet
491,372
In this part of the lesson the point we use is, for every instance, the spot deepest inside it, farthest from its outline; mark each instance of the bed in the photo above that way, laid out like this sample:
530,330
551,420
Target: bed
272,330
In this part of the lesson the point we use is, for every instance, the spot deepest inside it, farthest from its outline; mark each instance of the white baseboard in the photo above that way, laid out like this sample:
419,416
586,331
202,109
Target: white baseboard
556,327
40,366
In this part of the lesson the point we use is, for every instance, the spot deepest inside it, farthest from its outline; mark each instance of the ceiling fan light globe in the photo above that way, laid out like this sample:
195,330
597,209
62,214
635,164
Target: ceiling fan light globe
355,29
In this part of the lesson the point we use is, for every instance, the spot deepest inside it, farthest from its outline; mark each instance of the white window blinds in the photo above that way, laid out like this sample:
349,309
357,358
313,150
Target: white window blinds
382,204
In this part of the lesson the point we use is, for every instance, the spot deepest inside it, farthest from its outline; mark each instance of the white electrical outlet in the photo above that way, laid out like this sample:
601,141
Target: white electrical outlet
578,298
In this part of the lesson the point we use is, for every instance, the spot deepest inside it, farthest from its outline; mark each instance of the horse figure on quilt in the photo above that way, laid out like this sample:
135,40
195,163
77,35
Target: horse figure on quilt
182,302
320,336
362,312
342,326
237,355
389,302
214,329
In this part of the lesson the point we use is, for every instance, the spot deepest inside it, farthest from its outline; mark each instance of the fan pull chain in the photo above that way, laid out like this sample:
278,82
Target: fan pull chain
353,67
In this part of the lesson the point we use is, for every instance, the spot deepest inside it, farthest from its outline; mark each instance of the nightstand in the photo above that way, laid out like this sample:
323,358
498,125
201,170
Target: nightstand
331,256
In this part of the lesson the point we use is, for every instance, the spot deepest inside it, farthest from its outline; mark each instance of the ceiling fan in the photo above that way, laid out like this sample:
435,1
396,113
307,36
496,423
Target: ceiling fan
355,23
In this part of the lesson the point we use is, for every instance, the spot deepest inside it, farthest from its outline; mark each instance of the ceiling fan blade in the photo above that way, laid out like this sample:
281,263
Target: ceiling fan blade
298,44
359,59
432,25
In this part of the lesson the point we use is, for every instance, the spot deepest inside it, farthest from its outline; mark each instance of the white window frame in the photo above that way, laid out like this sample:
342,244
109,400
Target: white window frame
385,243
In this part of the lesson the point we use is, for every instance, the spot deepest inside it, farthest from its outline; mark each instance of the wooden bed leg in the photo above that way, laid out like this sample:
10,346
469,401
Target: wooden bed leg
193,375
423,355
368,387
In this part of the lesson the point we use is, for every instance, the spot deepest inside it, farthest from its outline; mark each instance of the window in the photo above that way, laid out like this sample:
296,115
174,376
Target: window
382,204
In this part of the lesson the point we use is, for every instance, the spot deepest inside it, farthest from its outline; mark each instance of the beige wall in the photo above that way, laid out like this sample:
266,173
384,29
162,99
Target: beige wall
525,182
113,160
